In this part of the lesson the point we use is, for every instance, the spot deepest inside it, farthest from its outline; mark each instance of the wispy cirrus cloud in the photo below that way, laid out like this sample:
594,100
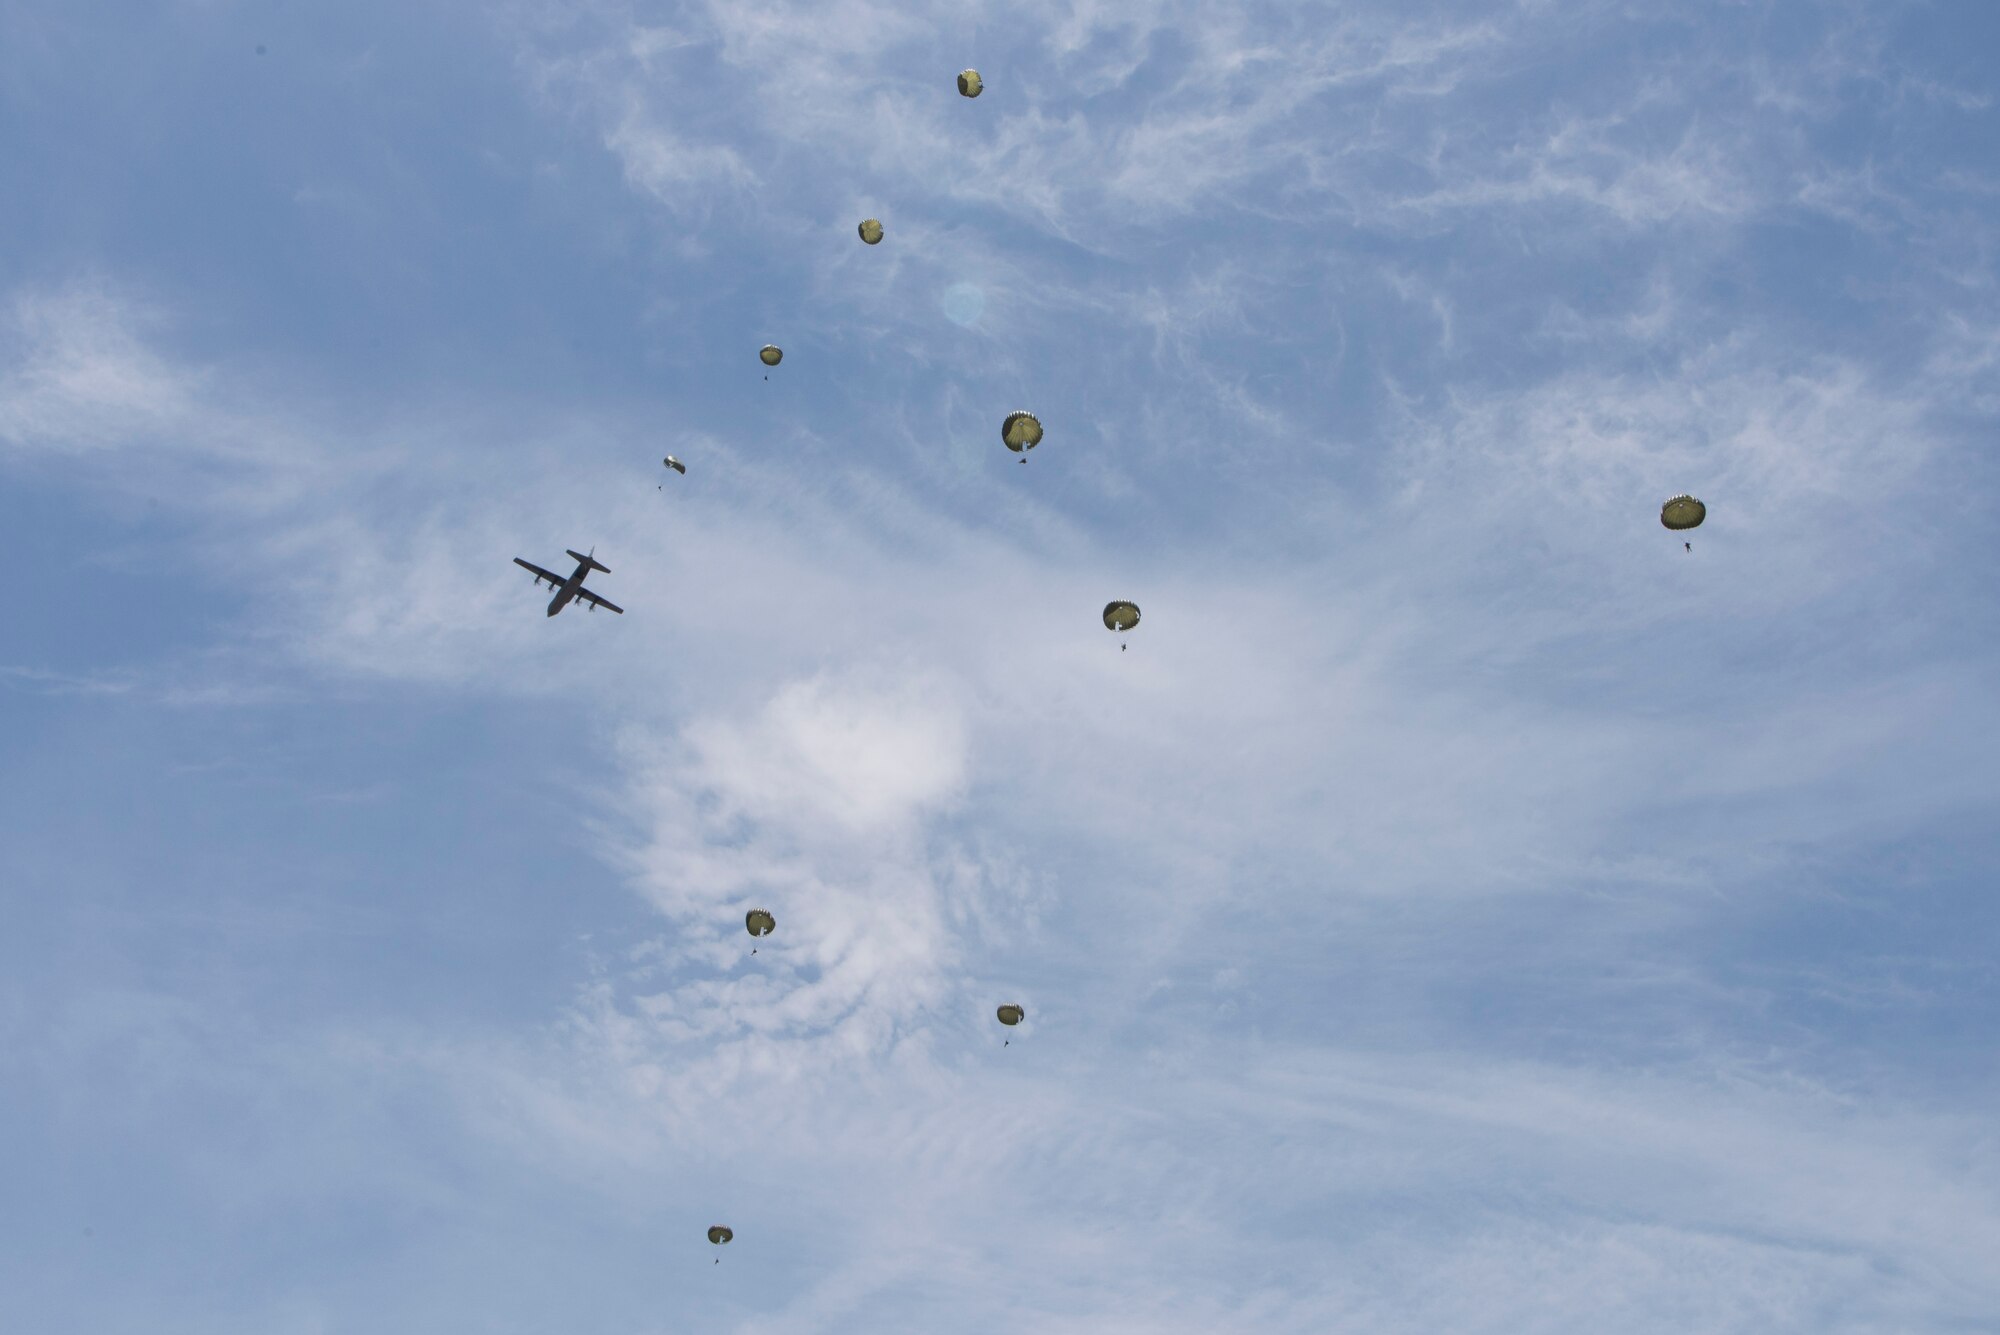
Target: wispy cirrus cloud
81,374
1650,1200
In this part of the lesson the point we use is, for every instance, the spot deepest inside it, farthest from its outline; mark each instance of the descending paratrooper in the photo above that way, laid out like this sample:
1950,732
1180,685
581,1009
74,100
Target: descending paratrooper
1682,513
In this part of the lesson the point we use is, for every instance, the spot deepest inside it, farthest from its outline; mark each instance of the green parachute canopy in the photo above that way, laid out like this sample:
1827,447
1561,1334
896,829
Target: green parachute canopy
969,83
1121,615
718,1234
759,922
1683,512
1022,431
1011,1014
871,230
771,354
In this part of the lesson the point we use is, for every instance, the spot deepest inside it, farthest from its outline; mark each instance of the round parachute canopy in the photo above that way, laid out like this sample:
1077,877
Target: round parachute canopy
1011,1015
674,464
970,84
1683,512
771,354
1021,431
1121,615
871,231
718,1234
758,922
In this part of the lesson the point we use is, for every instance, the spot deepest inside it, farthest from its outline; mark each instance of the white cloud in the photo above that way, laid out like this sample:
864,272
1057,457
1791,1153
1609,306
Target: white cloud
672,171
861,759
815,809
1293,1188
81,376
1426,710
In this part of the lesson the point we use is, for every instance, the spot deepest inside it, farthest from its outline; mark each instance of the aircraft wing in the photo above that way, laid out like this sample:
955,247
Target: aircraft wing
592,598
556,580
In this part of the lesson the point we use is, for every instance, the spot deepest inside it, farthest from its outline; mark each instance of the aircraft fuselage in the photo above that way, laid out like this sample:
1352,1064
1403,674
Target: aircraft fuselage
568,590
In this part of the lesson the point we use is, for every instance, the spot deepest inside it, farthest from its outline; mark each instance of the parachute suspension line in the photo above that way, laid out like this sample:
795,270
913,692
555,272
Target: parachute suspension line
1121,617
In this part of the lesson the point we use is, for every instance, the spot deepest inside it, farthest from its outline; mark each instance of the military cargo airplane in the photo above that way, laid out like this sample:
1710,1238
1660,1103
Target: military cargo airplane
572,587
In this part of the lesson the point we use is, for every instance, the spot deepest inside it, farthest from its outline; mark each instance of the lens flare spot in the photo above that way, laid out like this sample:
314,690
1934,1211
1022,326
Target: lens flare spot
963,304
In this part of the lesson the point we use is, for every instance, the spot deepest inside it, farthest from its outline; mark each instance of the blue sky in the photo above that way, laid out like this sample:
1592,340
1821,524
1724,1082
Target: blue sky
1459,909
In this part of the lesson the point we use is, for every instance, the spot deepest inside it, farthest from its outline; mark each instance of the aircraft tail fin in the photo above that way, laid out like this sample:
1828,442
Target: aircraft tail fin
590,559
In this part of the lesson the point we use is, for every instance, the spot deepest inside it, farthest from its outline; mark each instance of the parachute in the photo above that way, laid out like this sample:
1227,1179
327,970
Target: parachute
1022,431
871,231
1683,512
970,84
719,1234
758,922
674,464
771,354
1011,1015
